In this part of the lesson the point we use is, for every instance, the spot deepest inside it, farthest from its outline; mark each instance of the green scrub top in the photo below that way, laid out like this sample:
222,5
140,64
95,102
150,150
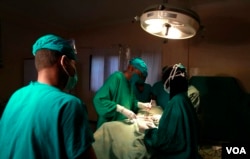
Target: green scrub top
40,121
177,134
145,95
162,97
115,90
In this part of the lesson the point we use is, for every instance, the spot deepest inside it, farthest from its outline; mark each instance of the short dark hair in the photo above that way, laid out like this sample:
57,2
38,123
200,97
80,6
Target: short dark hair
46,58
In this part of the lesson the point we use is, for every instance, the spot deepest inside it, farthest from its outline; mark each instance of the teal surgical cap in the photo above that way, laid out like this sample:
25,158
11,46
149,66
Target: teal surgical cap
139,64
56,43
182,67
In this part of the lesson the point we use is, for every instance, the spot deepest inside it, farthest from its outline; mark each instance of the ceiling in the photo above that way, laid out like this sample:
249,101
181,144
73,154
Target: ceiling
80,14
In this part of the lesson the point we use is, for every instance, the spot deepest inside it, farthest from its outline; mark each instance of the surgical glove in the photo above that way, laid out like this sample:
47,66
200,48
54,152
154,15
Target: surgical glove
144,124
126,112
151,125
156,118
144,105
153,103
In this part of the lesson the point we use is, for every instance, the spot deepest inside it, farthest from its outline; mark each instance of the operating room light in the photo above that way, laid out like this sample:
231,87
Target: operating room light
171,22
155,28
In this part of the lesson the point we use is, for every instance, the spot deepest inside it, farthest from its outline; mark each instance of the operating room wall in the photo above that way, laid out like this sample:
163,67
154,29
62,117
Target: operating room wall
17,39
221,47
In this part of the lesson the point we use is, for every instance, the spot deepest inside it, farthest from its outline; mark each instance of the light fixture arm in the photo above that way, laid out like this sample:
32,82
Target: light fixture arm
167,29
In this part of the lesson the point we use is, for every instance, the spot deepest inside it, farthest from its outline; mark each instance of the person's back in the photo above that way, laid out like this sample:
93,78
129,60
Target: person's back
177,134
33,120
42,121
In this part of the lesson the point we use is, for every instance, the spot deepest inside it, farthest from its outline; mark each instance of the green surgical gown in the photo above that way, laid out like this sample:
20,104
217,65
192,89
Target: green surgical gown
145,95
115,90
40,121
162,97
177,134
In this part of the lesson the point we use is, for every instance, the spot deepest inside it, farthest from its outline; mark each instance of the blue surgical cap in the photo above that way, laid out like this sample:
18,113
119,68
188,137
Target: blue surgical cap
139,64
56,43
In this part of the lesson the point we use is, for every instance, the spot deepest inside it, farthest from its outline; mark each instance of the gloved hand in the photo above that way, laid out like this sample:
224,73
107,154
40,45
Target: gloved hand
145,124
153,103
144,105
156,119
126,112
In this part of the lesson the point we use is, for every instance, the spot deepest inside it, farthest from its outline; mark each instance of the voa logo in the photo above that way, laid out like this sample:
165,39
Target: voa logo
236,150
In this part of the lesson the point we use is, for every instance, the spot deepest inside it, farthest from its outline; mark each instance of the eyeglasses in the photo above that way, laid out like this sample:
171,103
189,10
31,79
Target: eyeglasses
71,42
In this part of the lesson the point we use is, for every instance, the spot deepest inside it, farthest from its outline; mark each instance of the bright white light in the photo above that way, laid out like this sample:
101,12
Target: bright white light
154,21
155,28
172,32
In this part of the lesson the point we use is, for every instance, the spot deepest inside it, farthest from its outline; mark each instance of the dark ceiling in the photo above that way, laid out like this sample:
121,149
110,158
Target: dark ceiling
80,14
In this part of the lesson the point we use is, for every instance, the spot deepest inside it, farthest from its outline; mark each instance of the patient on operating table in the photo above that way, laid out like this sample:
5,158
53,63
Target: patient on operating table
123,139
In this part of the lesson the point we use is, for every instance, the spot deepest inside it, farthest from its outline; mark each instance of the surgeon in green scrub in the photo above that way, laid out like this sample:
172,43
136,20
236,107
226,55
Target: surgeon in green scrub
177,134
159,96
143,91
41,120
115,100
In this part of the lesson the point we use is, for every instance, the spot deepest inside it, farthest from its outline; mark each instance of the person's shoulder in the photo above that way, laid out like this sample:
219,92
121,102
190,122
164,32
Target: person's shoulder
116,75
68,97
147,85
23,89
71,103
157,84
180,97
58,95
54,92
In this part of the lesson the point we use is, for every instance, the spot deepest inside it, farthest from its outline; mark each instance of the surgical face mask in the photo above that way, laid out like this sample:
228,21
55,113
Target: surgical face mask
72,80
167,89
135,78
71,83
141,81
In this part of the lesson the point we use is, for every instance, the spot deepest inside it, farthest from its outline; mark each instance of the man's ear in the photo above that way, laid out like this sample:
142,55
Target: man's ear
64,61
67,66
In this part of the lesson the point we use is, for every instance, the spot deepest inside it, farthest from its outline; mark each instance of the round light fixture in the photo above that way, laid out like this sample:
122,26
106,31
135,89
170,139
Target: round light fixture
170,22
